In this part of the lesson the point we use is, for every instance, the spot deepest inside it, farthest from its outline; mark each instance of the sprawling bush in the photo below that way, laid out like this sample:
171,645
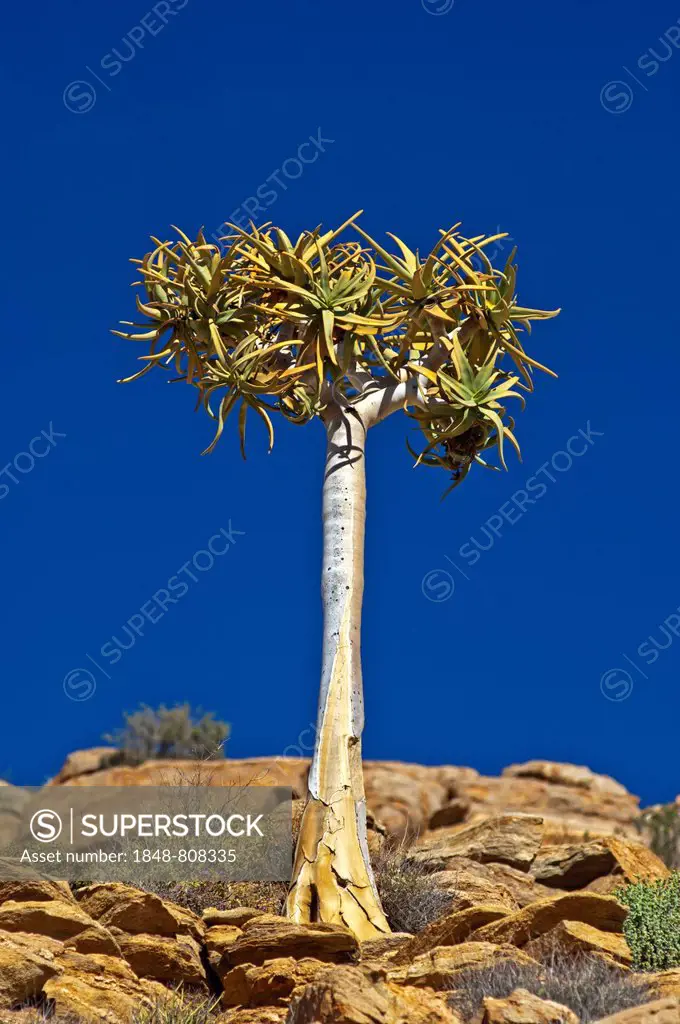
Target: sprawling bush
410,897
169,733
587,985
652,926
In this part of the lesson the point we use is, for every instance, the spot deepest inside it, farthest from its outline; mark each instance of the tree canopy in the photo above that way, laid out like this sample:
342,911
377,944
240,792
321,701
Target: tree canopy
268,325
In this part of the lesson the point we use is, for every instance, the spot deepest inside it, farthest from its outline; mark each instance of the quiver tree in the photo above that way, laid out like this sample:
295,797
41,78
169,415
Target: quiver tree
349,332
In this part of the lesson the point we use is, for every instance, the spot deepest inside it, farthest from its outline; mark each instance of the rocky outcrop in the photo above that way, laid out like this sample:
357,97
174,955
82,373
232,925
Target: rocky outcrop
406,797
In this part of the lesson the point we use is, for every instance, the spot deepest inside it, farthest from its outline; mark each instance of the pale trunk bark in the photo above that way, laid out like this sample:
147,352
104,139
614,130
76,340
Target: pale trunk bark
332,877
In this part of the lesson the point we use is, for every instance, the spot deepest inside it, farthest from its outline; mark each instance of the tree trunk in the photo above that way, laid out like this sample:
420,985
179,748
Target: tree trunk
332,877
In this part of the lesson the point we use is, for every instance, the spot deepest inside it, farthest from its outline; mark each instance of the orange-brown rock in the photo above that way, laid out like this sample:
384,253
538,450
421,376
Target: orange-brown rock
512,839
269,984
575,936
57,920
660,1011
572,866
95,988
116,905
162,958
522,1007
576,865
403,796
448,931
437,968
348,995
406,797
26,963
85,762
473,884
35,889
635,861
666,983
384,947
602,912
452,813
522,886
236,916
219,939
566,796
269,938
576,775
260,1015
255,771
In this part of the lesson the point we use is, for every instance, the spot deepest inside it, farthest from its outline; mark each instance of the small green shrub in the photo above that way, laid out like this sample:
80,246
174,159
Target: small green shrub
652,926
410,897
169,733
661,825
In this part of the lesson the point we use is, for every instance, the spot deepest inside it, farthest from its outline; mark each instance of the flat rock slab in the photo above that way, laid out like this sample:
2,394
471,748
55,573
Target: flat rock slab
603,912
512,839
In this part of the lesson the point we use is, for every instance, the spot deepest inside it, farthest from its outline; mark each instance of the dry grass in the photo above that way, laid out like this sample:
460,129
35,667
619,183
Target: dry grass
410,899
587,985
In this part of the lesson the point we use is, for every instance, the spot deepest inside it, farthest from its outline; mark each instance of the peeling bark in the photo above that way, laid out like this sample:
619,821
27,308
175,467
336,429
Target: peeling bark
332,876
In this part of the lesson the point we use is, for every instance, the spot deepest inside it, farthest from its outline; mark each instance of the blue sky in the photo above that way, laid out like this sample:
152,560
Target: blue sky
554,123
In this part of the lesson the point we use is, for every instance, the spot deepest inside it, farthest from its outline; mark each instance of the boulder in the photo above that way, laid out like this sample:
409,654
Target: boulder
438,967
219,939
665,983
576,865
162,958
522,1007
57,920
448,931
270,938
85,762
522,886
452,813
575,936
576,775
121,906
660,1011
403,797
26,963
236,916
572,866
34,890
512,839
472,884
384,947
603,912
269,984
95,988
348,995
